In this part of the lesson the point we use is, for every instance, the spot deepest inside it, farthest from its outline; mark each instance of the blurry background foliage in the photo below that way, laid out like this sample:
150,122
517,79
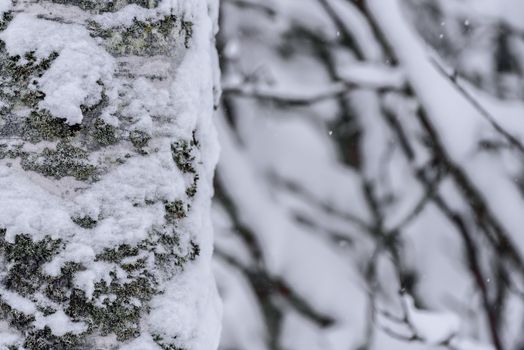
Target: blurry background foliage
371,158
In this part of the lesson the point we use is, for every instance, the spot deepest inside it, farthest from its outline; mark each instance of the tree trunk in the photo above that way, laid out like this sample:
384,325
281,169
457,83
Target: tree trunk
107,153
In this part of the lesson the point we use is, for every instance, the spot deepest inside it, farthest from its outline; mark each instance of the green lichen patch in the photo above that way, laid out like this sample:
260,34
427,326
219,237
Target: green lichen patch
166,238
166,252
23,70
97,6
19,90
6,18
44,339
118,254
16,319
116,307
97,132
164,343
192,189
59,288
133,257
136,265
121,313
19,87
25,258
175,211
42,126
139,139
122,302
86,222
104,134
187,30
11,151
141,38
195,251
65,160
23,261
182,152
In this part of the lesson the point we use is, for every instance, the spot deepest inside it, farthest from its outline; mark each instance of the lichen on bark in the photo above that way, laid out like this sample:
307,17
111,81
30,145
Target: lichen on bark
103,205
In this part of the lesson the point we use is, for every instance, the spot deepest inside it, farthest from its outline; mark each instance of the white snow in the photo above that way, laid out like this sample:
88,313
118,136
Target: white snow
18,302
433,327
59,323
190,308
141,343
7,336
445,106
124,17
359,27
30,208
239,304
5,6
370,75
76,252
73,78
316,279
469,344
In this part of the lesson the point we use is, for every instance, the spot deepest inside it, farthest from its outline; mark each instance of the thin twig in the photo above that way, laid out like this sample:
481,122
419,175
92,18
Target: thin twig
267,9
405,321
287,98
477,105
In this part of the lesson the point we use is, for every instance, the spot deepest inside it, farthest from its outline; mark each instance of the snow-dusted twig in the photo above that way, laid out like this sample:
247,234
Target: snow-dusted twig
452,77
305,98
287,97
407,321
266,8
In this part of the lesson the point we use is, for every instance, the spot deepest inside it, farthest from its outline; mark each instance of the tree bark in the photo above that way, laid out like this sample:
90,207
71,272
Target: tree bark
107,153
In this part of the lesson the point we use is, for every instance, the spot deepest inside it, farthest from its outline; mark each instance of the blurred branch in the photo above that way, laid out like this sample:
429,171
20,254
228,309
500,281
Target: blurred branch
286,97
267,9
476,270
431,190
482,215
519,33
485,219
327,208
452,77
475,221
337,237
347,37
304,98
267,286
406,321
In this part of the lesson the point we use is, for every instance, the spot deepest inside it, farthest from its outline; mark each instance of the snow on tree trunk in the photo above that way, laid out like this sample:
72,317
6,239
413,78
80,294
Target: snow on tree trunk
107,153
